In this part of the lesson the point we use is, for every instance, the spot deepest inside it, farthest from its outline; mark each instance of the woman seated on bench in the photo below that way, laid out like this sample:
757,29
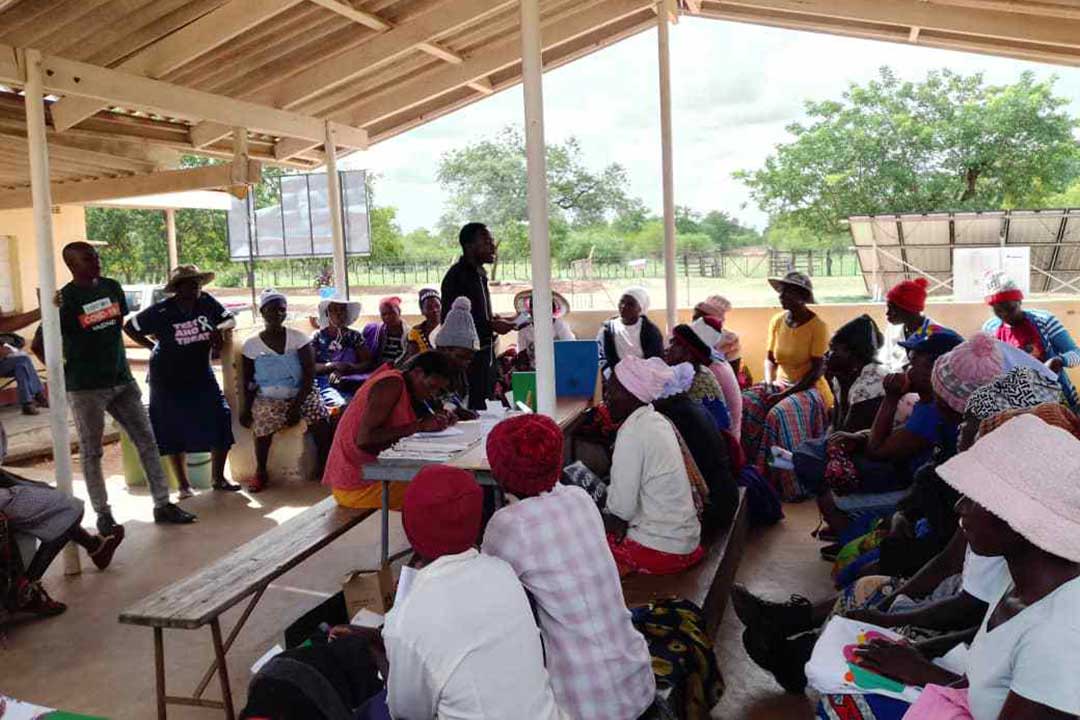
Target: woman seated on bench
650,517
1022,662
340,353
687,346
380,414
553,537
875,466
54,519
463,643
279,389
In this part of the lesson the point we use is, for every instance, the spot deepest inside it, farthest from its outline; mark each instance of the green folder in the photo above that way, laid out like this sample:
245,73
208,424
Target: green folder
524,386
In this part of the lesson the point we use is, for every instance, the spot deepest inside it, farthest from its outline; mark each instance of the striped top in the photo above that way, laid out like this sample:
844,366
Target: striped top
1058,344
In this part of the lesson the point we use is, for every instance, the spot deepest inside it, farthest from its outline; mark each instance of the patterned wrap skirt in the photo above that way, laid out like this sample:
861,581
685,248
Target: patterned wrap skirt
270,415
794,420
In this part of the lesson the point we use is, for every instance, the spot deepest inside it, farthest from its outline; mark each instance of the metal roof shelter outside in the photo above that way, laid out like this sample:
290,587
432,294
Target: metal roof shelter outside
106,94
892,248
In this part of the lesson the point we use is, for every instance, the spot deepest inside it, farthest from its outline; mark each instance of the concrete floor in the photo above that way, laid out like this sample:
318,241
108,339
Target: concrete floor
85,661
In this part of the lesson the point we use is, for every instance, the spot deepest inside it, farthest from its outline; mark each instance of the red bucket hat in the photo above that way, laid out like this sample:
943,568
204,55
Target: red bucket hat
909,295
526,454
442,511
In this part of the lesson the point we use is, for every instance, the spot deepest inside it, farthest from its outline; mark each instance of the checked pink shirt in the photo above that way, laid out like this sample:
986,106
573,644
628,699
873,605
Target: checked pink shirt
599,663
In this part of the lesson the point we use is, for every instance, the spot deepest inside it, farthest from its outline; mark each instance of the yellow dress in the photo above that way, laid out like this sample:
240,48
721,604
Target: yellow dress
795,349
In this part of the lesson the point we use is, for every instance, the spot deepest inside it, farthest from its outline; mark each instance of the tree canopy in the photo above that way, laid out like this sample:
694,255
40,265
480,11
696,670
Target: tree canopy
486,180
945,143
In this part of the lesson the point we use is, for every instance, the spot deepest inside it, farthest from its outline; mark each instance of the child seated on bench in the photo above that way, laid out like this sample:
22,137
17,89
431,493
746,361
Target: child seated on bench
553,537
650,516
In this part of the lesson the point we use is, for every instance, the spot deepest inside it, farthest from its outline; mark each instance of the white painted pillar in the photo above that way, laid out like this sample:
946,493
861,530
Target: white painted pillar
170,238
337,225
50,315
670,277
539,242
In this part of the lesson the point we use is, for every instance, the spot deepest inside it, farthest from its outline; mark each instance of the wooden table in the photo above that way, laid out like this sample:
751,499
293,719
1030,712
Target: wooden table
474,459
200,599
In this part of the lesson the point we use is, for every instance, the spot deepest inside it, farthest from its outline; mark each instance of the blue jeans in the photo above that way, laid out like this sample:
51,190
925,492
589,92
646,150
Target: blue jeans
21,367
875,476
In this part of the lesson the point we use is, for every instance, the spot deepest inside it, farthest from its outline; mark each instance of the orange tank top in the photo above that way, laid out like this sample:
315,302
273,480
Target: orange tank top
345,466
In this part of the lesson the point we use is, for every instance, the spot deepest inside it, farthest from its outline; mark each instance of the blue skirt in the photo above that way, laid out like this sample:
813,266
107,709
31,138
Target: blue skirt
191,418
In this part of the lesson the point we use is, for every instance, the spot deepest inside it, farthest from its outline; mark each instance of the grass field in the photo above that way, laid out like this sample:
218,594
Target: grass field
598,295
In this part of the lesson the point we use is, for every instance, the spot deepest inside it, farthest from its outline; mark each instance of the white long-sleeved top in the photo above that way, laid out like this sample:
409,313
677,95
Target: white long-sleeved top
649,486
463,645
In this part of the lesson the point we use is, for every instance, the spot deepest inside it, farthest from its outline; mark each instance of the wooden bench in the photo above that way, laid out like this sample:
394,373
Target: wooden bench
707,584
200,599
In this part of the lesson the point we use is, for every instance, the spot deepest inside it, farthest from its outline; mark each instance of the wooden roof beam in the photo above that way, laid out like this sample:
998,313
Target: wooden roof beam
890,33
1027,7
68,77
358,16
213,176
507,51
442,18
431,48
208,32
976,23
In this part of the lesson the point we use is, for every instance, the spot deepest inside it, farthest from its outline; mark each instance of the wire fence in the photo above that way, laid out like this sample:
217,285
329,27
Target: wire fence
307,272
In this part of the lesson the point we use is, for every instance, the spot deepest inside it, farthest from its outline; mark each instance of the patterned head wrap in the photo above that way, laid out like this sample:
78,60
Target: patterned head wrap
1020,388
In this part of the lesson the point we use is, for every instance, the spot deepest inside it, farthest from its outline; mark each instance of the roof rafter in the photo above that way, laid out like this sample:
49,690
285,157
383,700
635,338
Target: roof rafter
503,53
68,77
208,32
442,18
213,176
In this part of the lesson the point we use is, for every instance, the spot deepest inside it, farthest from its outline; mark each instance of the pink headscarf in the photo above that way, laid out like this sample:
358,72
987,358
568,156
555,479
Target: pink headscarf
644,379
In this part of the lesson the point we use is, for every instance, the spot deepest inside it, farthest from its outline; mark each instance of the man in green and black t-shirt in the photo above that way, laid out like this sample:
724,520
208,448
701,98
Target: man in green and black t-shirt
92,310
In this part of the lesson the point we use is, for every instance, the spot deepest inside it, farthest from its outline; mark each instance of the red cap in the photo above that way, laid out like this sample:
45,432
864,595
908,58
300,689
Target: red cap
909,295
526,454
442,511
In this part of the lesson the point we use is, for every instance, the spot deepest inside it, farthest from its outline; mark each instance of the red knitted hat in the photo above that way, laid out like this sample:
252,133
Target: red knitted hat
526,454
442,511
909,295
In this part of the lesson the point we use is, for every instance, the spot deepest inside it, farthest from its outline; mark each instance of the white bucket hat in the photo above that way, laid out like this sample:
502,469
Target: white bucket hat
1003,473
353,308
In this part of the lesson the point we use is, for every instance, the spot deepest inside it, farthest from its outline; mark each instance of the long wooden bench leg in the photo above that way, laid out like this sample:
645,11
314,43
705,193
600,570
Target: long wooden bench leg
223,669
209,674
384,557
159,671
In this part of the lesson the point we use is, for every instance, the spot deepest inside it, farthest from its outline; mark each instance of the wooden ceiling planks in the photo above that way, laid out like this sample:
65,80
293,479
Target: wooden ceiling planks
331,63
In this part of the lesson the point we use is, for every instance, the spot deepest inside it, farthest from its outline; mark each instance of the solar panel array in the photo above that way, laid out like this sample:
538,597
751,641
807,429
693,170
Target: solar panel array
892,248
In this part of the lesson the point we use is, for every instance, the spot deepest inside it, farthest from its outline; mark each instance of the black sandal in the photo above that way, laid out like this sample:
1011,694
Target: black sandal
226,486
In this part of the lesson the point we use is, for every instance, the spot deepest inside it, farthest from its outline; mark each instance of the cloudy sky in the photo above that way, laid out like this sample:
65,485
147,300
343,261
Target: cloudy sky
735,88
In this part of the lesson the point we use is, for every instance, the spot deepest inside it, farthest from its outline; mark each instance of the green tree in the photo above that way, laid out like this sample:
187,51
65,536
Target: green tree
948,142
386,239
135,247
486,181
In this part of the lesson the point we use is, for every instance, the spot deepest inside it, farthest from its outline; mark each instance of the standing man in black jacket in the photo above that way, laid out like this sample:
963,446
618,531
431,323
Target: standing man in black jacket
468,278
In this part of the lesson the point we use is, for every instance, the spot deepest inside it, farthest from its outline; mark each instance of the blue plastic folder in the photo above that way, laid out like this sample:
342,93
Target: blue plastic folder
576,362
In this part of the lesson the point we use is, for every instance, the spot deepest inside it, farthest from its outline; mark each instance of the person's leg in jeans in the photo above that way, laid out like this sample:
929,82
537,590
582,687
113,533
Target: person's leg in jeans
27,383
88,409
127,408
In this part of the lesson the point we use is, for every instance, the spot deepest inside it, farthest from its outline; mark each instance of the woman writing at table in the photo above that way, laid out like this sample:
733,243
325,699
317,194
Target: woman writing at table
382,412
